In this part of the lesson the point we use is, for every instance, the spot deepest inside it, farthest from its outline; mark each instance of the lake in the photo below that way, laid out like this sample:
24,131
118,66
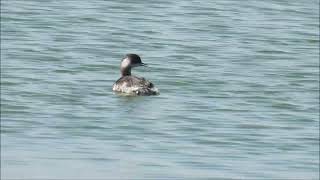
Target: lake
238,81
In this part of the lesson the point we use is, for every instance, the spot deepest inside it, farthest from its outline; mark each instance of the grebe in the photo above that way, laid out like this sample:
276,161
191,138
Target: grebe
133,85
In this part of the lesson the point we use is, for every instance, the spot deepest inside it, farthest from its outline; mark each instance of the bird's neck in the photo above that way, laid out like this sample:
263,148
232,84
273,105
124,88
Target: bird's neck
126,71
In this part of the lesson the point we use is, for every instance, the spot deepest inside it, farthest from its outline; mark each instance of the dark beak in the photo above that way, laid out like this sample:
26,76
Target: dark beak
143,64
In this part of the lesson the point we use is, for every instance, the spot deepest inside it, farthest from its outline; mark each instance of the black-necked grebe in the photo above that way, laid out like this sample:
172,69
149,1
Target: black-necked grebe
133,85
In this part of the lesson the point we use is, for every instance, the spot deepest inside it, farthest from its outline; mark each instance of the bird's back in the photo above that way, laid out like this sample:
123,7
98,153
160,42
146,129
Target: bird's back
135,86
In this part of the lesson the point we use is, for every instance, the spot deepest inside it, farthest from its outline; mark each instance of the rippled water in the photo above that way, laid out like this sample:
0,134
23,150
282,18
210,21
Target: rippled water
239,83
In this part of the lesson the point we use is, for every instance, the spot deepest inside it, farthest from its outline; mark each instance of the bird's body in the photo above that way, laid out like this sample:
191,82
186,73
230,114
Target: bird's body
132,85
135,86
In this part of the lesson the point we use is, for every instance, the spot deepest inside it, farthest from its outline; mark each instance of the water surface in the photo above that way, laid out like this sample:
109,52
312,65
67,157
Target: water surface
239,83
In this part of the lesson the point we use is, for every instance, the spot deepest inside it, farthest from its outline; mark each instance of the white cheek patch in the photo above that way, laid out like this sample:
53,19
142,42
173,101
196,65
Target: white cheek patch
125,62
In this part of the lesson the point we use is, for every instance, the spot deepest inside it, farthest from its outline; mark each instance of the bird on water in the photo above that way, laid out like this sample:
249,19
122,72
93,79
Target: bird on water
132,85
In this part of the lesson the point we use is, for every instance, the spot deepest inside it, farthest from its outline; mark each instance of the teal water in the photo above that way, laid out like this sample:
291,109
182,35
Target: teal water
239,84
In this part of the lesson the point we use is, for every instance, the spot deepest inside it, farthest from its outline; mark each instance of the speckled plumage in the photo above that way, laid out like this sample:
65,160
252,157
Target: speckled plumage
135,86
